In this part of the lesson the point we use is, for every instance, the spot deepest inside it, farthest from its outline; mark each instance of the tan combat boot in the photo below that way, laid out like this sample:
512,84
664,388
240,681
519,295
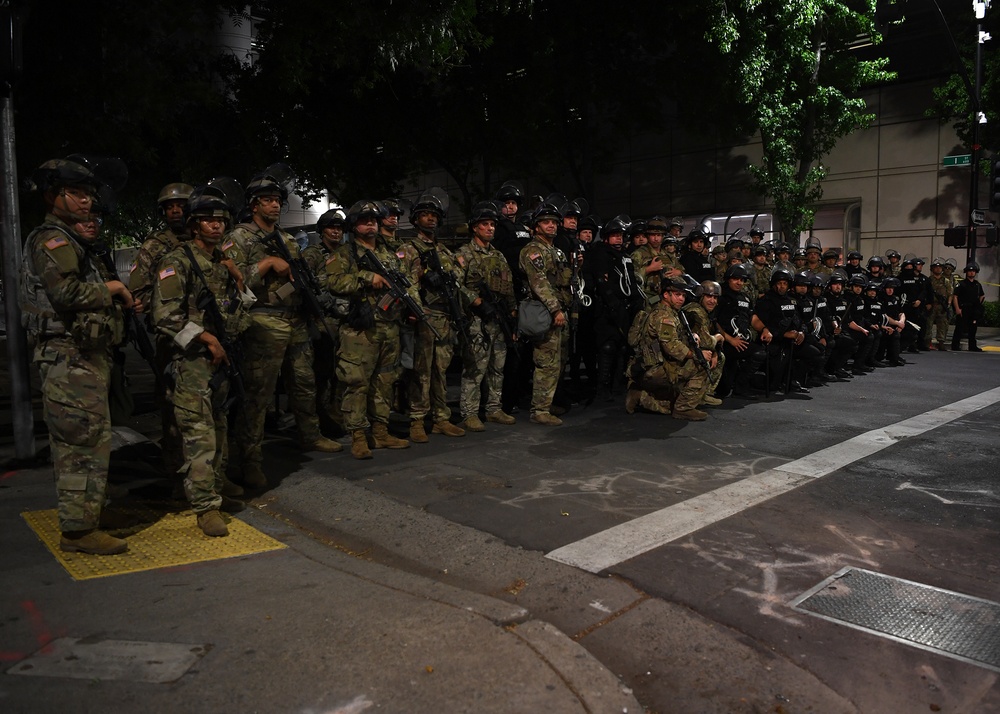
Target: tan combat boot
632,398
327,446
359,445
211,524
447,428
711,400
545,419
690,414
230,489
253,477
473,423
418,435
500,417
94,542
385,440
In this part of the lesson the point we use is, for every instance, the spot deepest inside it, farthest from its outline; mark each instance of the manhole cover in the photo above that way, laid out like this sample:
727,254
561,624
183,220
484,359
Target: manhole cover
949,623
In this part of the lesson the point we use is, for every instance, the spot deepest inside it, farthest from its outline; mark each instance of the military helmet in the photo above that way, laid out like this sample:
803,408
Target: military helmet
873,285
657,224
333,217
894,283
813,249
572,208
590,223
618,224
430,202
691,286
484,211
175,192
908,263
760,249
510,191
719,249
918,261
937,261
801,278
696,234
973,266
799,253
737,271
837,276
734,243
783,248
858,279
890,254
676,221
674,285
393,206
364,209
710,287
543,211
817,280
637,228
80,170
276,180
854,255
876,260
830,253
207,202
756,231
781,274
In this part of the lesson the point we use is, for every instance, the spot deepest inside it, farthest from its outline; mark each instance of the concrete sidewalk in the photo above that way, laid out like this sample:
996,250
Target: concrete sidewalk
303,629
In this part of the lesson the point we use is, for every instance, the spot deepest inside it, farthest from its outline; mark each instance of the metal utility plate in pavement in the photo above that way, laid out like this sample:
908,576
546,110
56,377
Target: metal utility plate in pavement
948,623
87,658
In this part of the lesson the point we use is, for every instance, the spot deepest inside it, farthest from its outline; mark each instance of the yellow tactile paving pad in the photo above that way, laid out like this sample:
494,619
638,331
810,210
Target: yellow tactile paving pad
157,540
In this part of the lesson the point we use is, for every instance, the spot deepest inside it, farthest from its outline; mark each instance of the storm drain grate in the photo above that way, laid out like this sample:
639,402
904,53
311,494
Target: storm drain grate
949,623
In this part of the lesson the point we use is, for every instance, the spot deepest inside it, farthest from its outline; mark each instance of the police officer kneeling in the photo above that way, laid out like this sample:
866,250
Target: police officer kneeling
665,368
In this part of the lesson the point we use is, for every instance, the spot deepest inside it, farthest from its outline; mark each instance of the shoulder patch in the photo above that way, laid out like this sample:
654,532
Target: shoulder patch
460,259
534,256
227,245
332,258
167,272
401,254
56,242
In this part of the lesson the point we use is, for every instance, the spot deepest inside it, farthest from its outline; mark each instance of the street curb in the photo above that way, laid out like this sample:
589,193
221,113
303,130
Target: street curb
596,686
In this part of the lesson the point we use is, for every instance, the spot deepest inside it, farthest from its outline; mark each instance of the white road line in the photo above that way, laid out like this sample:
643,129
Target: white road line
608,548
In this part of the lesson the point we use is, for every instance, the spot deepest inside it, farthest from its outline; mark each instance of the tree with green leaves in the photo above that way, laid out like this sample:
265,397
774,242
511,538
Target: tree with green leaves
790,64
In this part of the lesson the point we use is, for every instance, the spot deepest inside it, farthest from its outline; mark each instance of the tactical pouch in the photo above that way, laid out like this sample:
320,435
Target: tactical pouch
360,315
533,319
96,331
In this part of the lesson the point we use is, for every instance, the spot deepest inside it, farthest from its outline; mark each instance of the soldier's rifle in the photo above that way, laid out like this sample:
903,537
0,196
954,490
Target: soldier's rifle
496,310
398,283
578,298
693,343
217,326
431,261
135,330
304,280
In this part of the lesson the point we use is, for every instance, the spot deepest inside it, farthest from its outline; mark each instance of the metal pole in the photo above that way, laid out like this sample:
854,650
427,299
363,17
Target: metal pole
976,148
10,239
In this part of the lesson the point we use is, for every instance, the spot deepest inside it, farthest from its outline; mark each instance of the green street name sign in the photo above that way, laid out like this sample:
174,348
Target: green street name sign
959,160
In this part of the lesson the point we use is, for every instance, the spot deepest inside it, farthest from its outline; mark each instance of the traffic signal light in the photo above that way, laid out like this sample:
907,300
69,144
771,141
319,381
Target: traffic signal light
995,183
955,237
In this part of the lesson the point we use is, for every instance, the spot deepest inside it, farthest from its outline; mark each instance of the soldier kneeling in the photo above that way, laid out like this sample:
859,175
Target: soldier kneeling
666,374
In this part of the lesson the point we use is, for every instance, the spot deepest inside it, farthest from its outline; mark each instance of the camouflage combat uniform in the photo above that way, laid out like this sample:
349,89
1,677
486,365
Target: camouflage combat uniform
276,341
939,289
701,323
368,353
328,391
650,283
548,277
70,317
432,355
486,353
198,407
663,369
140,284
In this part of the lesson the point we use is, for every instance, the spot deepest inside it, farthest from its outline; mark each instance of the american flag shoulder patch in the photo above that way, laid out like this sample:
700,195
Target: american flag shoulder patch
56,242
227,245
167,272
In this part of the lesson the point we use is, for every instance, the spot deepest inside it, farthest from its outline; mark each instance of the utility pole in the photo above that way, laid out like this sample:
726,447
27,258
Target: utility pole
10,240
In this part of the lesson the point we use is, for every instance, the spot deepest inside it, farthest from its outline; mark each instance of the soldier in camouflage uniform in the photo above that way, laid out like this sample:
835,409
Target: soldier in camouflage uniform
197,384
664,369
72,310
760,273
432,354
548,277
939,289
173,197
701,316
278,339
387,225
652,260
486,353
318,257
368,350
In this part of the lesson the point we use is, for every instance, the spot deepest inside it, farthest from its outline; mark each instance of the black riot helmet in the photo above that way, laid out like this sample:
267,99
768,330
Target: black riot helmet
334,217
737,271
854,255
484,211
894,283
972,267
781,274
876,260
510,191
858,279
837,276
801,278
590,223
691,286
755,231
619,224
393,206
364,209
276,180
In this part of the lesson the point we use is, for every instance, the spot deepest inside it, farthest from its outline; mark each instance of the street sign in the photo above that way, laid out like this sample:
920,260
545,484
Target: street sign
958,160
978,217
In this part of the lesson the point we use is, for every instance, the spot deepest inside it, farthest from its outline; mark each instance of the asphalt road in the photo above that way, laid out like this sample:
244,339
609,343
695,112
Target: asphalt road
922,505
